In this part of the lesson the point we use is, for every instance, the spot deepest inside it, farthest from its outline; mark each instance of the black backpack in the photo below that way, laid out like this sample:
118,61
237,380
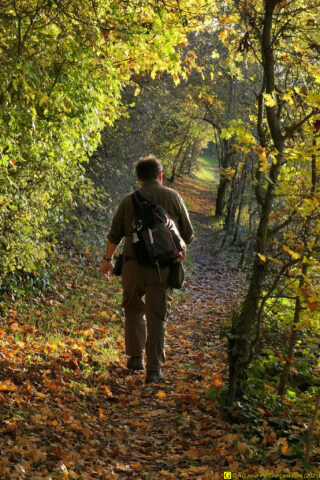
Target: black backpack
156,239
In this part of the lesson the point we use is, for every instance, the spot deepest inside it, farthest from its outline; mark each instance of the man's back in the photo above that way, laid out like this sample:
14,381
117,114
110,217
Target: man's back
155,192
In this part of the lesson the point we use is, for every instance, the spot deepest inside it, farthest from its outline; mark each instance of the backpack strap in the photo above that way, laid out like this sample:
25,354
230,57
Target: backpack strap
135,202
139,201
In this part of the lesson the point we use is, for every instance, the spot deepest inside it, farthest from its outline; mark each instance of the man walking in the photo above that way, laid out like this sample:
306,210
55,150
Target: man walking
146,297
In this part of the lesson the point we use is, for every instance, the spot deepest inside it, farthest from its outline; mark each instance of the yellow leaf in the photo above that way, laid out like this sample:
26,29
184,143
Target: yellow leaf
313,99
269,100
106,389
7,386
263,159
275,260
176,79
104,314
292,254
247,138
40,395
161,395
288,98
223,35
88,333
43,99
262,258
185,474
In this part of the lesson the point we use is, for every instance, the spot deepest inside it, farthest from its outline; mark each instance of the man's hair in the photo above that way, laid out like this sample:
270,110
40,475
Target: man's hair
148,168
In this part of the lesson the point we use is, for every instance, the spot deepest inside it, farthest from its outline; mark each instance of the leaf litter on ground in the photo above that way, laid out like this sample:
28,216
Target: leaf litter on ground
69,407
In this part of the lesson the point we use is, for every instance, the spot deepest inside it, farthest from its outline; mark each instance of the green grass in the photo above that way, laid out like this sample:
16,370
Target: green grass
207,169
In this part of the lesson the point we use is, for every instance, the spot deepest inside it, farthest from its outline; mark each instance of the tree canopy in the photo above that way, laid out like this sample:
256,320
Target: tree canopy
63,68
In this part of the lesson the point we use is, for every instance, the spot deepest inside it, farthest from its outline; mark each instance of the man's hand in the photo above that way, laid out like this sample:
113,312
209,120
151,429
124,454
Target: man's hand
106,266
183,257
106,269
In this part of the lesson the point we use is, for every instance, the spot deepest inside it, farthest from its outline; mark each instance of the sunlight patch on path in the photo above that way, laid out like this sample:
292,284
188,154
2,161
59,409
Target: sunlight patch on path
208,172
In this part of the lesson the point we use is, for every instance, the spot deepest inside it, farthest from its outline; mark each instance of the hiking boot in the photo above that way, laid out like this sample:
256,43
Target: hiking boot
135,363
154,377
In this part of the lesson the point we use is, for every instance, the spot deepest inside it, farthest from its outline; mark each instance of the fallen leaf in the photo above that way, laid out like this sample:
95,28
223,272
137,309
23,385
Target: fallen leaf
161,395
192,453
8,386
86,432
106,389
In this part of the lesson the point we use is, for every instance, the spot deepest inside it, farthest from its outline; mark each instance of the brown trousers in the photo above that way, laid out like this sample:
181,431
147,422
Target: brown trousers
146,303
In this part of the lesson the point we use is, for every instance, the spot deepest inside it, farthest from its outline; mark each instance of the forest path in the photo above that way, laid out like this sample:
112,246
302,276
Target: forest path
171,430
70,409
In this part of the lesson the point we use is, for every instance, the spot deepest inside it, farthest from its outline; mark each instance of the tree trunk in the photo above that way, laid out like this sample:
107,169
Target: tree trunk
195,152
225,162
177,157
233,200
314,180
242,188
241,330
293,340
221,196
184,159
249,238
311,429
173,172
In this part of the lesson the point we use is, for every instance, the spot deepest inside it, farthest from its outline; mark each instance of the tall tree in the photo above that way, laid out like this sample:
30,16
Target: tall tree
281,37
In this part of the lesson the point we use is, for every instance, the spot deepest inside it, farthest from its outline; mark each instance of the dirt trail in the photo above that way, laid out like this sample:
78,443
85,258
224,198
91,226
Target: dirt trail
65,415
171,431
